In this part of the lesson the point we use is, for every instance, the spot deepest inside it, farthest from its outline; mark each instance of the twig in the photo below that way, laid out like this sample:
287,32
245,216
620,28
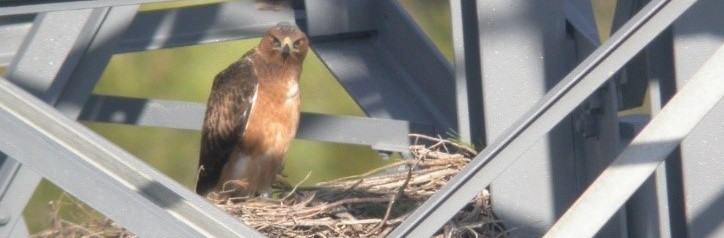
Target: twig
296,186
433,139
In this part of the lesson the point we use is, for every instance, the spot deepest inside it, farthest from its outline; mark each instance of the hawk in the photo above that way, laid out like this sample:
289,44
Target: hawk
252,115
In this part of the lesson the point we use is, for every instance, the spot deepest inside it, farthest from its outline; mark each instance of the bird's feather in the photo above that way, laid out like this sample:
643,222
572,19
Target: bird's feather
230,103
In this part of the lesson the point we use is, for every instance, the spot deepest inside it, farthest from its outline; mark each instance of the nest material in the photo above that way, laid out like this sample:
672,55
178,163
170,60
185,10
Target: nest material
79,220
367,205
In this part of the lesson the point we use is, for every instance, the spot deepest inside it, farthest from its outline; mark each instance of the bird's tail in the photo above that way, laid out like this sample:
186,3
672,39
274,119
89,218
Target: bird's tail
205,182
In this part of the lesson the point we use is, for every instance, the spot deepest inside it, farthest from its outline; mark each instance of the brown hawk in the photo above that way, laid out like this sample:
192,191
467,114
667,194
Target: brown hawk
252,115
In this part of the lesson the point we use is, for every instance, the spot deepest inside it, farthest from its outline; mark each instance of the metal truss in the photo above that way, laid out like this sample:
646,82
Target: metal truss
580,83
403,84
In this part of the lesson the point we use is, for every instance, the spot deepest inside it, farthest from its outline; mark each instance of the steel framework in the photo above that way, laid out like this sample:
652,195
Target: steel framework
570,166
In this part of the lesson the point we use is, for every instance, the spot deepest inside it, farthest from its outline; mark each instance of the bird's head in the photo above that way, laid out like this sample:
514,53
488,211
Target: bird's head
285,41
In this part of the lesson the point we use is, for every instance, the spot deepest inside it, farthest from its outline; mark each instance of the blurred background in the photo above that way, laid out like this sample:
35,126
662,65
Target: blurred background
186,74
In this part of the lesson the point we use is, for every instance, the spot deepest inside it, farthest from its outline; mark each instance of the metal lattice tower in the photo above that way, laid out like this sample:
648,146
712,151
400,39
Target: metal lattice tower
570,165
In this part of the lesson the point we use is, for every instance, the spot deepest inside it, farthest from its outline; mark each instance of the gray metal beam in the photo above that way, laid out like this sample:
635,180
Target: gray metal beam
103,175
84,72
230,21
20,230
199,25
650,210
645,153
632,82
596,137
700,208
700,188
144,112
95,52
381,134
551,109
538,187
18,7
13,30
579,13
333,17
52,49
468,91
18,186
49,50
69,97
170,27
393,71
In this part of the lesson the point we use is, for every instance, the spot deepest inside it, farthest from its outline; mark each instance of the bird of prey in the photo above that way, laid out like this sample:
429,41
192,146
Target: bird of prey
252,115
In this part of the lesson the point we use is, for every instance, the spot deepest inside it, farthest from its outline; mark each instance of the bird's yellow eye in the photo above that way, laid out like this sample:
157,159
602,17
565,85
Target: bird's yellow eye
276,42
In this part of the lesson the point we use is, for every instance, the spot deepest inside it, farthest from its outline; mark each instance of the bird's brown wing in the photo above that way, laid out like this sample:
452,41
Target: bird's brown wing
227,113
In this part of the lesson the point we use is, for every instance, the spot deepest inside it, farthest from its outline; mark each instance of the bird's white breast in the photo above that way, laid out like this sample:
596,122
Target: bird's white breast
239,166
292,88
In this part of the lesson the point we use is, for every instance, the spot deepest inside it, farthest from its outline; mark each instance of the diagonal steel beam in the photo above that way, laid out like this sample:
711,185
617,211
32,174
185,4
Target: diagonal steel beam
151,196
103,175
411,80
645,153
47,52
70,96
13,29
17,7
533,125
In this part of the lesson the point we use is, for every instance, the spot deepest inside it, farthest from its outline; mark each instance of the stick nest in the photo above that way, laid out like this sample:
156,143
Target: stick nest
367,205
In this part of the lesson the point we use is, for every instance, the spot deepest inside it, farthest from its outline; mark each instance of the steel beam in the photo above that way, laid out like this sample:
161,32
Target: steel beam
17,7
632,80
650,210
144,112
333,17
380,134
199,25
468,91
645,153
596,131
18,185
579,13
49,50
95,50
20,230
170,27
84,73
52,49
699,191
70,96
537,187
392,71
13,30
103,175
551,109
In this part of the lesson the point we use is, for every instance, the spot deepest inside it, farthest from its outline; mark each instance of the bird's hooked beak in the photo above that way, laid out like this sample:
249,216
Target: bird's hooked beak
286,47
